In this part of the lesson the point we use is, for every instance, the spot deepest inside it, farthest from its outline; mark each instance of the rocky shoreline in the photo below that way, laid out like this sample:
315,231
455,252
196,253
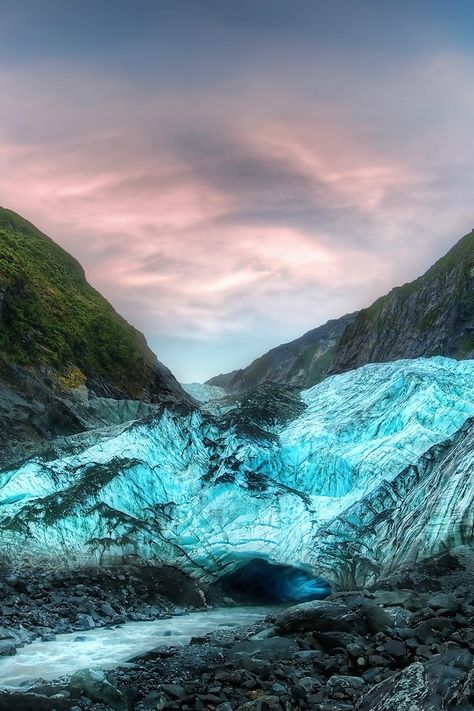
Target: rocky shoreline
36,604
406,645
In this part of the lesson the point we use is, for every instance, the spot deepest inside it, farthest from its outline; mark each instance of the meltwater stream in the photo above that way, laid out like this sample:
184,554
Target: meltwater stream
106,647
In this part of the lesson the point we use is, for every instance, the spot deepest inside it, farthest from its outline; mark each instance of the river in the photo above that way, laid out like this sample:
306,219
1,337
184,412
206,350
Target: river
109,647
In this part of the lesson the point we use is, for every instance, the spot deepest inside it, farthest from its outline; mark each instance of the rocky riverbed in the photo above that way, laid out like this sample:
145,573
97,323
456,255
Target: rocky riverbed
40,604
406,644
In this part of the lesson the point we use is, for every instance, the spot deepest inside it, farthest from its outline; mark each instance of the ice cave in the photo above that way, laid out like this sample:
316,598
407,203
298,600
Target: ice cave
269,582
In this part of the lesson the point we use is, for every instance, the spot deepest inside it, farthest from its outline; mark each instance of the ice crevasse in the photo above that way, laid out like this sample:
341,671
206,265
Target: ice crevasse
360,473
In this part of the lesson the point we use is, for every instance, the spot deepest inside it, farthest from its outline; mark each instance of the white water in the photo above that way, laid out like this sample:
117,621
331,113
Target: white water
106,648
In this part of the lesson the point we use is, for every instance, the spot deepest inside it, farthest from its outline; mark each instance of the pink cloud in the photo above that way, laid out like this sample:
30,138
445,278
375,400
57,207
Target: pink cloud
310,216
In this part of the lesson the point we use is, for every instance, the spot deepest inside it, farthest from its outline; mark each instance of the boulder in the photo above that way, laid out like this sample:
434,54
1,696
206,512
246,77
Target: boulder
361,617
317,616
395,649
97,687
446,601
434,685
85,622
407,690
32,702
7,648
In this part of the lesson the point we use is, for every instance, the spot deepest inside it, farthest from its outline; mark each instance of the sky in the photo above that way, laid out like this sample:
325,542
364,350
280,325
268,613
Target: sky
233,173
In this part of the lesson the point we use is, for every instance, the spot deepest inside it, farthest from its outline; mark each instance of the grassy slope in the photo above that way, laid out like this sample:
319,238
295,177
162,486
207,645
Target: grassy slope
462,252
51,316
460,261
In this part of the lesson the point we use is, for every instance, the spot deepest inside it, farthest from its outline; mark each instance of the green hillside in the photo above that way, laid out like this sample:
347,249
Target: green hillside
50,316
432,315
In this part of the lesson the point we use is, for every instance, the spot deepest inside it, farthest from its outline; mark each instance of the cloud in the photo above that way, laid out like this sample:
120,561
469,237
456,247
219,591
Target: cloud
251,211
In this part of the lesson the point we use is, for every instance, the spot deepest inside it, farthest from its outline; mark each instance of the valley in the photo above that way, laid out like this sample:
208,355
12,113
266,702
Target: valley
301,547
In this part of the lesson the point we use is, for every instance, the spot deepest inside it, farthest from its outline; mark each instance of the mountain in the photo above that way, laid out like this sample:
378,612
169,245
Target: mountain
433,315
362,472
301,362
63,348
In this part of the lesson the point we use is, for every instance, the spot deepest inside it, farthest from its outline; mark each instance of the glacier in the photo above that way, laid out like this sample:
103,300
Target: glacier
342,482
204,393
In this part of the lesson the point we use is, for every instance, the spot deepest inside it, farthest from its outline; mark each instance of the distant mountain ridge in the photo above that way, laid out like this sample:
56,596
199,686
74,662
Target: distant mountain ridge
432,315
62,342
302,362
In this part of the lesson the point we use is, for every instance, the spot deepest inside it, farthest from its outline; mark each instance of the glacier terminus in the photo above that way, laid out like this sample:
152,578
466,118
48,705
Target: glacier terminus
334,485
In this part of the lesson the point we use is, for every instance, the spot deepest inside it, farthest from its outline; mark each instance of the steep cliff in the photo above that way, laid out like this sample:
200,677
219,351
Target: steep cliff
433,315
61,342
302,362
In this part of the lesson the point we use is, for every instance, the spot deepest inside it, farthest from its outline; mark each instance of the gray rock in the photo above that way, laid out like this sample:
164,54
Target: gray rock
309,683
407,691
432,685
96,686
425,630
6,633
174,690
318,615
309,654
376,618
261,667
119,619
161,701
401,617
85,622
7,649
264,634
339,682
107,609
150,701
279,688
392,597
395,648
445,601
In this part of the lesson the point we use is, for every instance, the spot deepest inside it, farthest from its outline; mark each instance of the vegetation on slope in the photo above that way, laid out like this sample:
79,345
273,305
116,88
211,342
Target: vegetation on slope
50,316
302,362
432,315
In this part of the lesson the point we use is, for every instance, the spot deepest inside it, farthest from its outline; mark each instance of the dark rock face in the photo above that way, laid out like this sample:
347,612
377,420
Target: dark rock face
302,362
433,315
